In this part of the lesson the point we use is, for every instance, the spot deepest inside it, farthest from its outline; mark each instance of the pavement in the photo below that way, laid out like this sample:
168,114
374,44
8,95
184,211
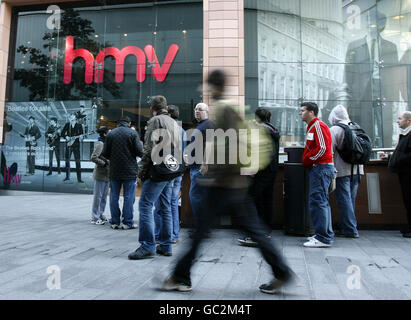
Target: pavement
50,250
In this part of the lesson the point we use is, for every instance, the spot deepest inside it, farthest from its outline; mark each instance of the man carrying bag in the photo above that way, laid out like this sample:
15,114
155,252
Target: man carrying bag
160,164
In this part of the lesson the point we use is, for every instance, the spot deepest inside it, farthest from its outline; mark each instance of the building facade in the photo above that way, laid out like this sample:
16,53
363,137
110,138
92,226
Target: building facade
93,62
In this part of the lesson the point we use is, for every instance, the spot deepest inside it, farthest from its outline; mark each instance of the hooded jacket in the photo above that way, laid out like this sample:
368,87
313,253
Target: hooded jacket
340,115
317,145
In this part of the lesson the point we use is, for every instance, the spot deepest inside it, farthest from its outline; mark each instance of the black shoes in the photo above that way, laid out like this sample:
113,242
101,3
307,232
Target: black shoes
344,235
172,284
407,235
162,252
49,174
275,285
247,242
140,254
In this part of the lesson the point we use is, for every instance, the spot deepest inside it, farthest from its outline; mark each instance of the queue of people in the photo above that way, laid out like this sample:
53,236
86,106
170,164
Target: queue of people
230,184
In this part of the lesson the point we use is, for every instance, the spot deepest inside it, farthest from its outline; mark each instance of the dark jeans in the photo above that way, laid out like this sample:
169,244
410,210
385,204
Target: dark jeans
76,152
237,201
261,190
129,193
405,183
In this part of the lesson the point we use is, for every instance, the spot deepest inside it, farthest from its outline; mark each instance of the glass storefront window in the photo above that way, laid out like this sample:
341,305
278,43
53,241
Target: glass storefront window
356,53
100,64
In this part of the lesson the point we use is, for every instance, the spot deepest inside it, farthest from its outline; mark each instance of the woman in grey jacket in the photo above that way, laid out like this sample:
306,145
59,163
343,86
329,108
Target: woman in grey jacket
101,179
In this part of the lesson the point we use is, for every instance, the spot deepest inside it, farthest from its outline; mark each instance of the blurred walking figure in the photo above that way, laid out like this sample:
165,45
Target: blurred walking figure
318,158
122,147
262,184
101,179
174,113
226,190
348,175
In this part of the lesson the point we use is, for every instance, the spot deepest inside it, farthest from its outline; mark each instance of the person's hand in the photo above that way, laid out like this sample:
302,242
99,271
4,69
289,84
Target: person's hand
203,169
383,156
139,182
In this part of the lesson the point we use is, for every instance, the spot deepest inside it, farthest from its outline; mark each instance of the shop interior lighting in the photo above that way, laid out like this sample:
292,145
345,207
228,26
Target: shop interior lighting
125,34
184,31
398,17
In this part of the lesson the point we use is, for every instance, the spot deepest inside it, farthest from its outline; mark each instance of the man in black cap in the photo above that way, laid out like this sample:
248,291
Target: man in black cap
122,146
53,139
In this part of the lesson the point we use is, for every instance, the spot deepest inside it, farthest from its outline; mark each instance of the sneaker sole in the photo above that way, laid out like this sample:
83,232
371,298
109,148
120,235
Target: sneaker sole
317,246
179,288
247,244
270,291
142,258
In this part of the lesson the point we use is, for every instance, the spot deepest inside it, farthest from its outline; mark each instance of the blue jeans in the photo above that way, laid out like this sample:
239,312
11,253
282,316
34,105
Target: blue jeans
320,211
150,193
129,192
346,192
175,191
196,192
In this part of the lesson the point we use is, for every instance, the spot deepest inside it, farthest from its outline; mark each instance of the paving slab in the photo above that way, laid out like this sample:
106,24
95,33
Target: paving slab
92,260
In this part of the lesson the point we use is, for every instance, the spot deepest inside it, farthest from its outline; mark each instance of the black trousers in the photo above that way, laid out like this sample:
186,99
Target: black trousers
76,151
262,191
241,205
31,159
56,150
405,183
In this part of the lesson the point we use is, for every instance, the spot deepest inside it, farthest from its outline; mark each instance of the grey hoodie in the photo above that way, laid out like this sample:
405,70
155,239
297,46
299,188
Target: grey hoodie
340,115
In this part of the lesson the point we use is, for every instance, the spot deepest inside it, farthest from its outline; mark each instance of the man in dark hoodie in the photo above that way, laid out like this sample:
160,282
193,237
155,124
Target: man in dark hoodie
121,148
400,162
262,185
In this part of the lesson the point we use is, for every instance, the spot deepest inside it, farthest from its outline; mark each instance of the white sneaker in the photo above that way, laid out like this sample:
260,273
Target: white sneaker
93,222
309,238
314,243
100,222
126,227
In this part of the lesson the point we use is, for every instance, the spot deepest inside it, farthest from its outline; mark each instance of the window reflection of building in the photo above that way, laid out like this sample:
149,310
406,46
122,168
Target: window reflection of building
298,79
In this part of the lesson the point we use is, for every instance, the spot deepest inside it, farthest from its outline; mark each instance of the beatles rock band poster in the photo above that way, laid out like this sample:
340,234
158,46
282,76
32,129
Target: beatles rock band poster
48,146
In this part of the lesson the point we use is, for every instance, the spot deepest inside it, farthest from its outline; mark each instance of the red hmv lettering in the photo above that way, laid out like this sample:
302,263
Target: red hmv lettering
95,67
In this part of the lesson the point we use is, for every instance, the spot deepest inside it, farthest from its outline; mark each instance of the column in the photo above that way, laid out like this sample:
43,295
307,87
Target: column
223,47
5,20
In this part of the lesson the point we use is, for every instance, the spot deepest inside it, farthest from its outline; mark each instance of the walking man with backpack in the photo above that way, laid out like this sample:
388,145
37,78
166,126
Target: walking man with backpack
318,158
348,173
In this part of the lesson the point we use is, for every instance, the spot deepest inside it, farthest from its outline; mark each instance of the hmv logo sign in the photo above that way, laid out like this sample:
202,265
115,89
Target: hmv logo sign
95,65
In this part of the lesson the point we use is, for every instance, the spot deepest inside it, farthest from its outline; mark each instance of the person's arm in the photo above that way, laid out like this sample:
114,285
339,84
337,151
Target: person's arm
148,147
404,158
106,153
138,145
37,133
95,157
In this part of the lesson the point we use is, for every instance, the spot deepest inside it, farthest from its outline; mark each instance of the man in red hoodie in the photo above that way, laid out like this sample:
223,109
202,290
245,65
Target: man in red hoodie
318,159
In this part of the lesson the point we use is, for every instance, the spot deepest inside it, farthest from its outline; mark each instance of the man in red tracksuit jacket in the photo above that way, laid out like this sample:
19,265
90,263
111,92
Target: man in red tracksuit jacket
318,159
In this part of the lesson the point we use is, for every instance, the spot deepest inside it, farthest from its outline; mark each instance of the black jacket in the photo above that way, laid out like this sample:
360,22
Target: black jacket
121,147
400,161
275,137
